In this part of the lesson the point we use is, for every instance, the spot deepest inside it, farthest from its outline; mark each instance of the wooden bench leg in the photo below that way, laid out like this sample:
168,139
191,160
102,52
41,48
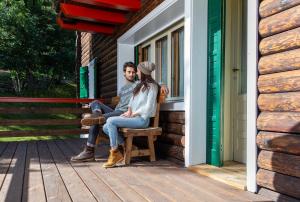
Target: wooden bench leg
128,150
151,148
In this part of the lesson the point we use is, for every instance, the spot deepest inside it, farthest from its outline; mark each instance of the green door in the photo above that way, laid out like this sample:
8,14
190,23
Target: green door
214,85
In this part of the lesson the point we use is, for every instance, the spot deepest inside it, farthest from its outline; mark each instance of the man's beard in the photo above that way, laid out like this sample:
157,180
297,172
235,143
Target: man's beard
129,80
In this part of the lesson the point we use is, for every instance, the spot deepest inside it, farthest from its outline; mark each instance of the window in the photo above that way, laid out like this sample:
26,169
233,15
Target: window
162,60
166,50
146,51
177,63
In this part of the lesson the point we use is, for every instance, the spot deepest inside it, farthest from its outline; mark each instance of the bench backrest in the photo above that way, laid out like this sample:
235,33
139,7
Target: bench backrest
154,122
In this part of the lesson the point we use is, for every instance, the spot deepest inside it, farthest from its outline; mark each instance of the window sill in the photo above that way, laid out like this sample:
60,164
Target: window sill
173,105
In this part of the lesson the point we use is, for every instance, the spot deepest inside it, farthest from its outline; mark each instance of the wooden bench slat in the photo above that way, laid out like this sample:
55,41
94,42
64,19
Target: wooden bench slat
125,130
141,132
39,122
140,152
42,110
49,132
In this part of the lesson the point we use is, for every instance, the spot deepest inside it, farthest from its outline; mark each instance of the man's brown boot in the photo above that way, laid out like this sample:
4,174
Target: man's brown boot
88,154
115,157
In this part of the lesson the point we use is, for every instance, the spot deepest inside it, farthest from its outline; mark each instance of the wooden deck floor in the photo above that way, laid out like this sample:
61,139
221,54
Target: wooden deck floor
41,171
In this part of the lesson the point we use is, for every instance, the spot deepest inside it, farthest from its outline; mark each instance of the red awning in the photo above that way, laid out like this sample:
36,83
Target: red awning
97,16
85,27
127,5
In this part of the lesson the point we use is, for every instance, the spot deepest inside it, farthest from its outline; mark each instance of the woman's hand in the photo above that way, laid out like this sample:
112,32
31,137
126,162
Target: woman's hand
127,114
134,114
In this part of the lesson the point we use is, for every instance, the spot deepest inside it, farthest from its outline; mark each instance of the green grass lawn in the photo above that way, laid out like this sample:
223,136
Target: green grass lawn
64,90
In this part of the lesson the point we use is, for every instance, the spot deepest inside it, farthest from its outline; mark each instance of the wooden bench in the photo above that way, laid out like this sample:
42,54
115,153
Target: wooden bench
129,133
150,133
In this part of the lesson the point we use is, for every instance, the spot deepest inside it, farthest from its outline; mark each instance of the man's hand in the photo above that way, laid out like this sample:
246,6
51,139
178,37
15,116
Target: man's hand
164,89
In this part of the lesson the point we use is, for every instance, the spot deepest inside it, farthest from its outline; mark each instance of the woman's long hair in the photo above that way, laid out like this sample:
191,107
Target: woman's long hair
144,84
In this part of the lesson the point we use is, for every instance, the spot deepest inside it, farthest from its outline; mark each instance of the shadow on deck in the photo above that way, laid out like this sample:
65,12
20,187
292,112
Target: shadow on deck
41,171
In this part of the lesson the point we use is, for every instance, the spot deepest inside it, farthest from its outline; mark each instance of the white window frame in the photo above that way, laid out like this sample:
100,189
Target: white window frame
152,43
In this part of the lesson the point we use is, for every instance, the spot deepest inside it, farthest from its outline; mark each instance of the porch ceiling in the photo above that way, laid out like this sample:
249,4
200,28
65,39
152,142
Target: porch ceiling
96,16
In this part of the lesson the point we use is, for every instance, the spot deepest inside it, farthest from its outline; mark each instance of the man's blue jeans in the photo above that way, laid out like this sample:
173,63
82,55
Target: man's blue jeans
113,123
107,112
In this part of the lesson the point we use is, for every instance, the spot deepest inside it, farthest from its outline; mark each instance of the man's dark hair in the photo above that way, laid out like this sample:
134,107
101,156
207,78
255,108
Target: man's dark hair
129,64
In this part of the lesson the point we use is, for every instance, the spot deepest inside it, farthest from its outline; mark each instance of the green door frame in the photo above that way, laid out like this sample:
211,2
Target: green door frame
215,64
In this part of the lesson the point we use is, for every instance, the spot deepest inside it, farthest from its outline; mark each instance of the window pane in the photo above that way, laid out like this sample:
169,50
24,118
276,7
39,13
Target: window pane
243,73
177,86
146,53
161,60
181,63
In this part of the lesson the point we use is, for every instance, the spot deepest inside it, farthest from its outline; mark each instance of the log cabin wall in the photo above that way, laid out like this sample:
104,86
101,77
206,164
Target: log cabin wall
172,141
105,49
278,123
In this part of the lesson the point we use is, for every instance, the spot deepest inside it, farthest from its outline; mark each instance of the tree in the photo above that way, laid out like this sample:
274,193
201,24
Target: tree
32,46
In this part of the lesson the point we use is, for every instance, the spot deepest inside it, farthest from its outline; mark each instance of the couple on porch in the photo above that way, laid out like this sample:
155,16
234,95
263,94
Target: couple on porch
136,106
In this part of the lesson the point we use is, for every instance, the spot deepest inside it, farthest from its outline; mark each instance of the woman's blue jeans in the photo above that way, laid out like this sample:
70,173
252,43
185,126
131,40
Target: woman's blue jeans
107,112
113,123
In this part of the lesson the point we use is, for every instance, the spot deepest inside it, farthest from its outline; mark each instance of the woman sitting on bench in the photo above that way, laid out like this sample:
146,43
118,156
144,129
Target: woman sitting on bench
141,108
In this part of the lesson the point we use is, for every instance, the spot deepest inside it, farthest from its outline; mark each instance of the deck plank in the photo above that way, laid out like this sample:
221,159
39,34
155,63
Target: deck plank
146,186
208,185
175,182
120,188
99,189
161,182
169,188
3,146
33,187
11,189
141,186
180,178
54,186
5,160
49,176
75,186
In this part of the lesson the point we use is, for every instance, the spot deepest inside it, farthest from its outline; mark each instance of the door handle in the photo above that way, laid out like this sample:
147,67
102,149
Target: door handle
235,69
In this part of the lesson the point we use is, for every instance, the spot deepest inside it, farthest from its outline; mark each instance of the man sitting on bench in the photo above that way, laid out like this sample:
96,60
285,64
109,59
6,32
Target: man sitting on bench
97,117
93,120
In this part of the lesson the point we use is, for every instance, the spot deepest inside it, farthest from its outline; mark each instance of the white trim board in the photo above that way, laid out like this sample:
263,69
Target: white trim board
195,81
252,72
